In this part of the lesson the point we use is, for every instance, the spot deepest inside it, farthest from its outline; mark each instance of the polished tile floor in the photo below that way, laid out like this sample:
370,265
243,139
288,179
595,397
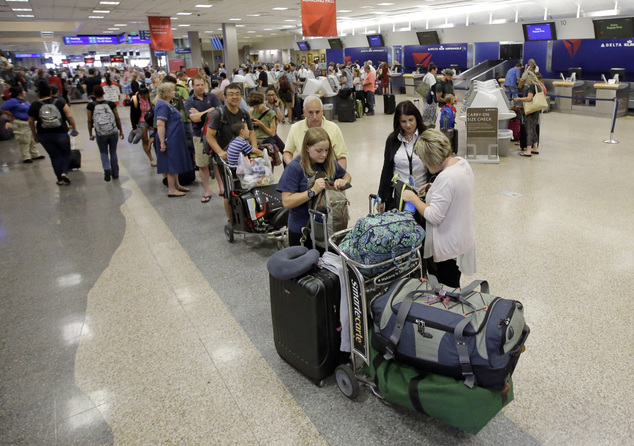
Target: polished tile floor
128,319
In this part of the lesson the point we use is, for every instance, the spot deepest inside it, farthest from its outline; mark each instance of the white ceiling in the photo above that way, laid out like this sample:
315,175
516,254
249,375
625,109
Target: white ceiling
258,21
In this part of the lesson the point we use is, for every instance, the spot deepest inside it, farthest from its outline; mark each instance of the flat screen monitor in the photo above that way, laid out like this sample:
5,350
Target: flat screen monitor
375,40
619,71
89,59
104,59
116,59
539,31
427,38
616,28
335,44
303,46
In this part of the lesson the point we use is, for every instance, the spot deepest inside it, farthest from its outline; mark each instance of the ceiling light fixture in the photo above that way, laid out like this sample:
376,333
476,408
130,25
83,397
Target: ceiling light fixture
120,24
21,1
113,29
22,9
385,4
345,10
24,15
109,3
235,20
184,25
95,17
280,9
101,11
183,13
203,6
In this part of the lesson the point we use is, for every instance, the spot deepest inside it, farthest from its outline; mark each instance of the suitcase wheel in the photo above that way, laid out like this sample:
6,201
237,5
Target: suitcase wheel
229,233
347,381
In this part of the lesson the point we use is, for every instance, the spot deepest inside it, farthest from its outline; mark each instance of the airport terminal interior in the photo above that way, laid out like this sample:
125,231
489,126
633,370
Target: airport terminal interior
128,318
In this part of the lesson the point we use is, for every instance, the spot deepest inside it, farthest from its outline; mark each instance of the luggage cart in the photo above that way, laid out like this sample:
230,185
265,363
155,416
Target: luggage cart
241,223
361,289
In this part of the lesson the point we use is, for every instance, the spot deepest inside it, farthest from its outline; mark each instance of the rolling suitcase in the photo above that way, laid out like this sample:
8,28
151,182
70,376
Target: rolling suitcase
389,103
305,313
452,136
346,110
359,105
75,155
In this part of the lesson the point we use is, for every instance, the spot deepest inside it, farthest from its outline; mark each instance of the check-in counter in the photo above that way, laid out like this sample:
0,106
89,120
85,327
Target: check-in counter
569,89
411,83
612,91
398,83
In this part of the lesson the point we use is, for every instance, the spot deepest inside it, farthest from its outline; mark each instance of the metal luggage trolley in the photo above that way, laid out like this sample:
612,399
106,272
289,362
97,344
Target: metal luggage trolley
240,223
361,289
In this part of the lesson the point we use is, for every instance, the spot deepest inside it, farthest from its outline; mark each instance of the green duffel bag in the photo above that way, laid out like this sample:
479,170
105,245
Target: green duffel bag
441,397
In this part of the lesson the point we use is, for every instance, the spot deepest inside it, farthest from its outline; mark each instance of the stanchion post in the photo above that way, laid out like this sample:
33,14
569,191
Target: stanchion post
616,108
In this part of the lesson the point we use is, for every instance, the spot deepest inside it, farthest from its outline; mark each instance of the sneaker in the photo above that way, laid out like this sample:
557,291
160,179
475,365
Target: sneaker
28,161
370,113
106,175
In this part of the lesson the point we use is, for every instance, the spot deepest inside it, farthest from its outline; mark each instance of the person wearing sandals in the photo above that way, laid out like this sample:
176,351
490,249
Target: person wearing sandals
172,156
531,121
49,127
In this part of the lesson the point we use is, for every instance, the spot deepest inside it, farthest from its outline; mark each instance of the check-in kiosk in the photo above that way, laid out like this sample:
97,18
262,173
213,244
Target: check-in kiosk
571,87
606,90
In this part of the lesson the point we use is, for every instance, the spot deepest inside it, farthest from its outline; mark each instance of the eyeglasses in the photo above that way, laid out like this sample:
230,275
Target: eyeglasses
234,94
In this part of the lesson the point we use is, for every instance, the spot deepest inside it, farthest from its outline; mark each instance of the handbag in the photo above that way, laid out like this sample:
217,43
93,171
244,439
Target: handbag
423,89
461,333
538,103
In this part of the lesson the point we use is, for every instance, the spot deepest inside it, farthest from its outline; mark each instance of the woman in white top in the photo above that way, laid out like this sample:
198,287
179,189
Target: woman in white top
449,213
430,110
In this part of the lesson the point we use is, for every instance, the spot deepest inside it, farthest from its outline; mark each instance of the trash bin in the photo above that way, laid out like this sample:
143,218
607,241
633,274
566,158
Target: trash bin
504,141
329,112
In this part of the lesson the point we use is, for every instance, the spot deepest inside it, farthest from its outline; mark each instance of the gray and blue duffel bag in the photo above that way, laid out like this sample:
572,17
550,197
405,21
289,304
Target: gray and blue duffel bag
460,333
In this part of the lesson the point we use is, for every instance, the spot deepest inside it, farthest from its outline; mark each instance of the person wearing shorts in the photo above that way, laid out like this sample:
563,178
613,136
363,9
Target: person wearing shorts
196,106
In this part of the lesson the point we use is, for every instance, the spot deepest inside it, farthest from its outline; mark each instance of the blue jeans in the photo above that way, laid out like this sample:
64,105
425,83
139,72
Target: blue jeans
369,99
108,149
510,91
57,145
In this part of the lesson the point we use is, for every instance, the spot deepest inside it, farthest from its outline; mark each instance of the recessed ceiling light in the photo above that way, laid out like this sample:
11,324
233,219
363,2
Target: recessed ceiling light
120,24
254,15
240,26
24,15
203,6
113,29
183,13
290,20
22,9
385,4
280,9
209,32
184,25
109,3
22,1
251,32
268,29
174,29
345,10
95,17
274,34
235,20
101,11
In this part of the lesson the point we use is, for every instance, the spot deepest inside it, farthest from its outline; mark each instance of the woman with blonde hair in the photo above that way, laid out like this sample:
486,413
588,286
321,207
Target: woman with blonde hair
531,121
316,155
449,249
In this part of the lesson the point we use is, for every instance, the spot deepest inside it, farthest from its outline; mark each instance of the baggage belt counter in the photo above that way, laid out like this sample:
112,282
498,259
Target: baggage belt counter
611,91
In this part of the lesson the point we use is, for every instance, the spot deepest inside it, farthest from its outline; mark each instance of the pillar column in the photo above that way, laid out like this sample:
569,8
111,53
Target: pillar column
196,50
230,38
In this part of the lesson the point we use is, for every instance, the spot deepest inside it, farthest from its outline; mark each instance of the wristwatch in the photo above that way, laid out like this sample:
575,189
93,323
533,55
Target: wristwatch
311,193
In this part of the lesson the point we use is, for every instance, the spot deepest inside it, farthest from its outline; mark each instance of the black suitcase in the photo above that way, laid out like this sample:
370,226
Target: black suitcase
346,110
305,313
389,103
75,159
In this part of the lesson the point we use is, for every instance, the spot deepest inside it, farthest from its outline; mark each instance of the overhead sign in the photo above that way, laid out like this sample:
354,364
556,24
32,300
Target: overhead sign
144,34
183,50
27,55
75,58
161,33
116,59
319,18
91,40
104,59
89,59
138,39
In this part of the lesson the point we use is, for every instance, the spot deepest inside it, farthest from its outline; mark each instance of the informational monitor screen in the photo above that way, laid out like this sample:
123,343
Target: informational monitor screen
137,39
89,59
375,40
335,44
116,59
104,59
540,31
91,40
217,43
616,28
428,38
28,55
303,46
